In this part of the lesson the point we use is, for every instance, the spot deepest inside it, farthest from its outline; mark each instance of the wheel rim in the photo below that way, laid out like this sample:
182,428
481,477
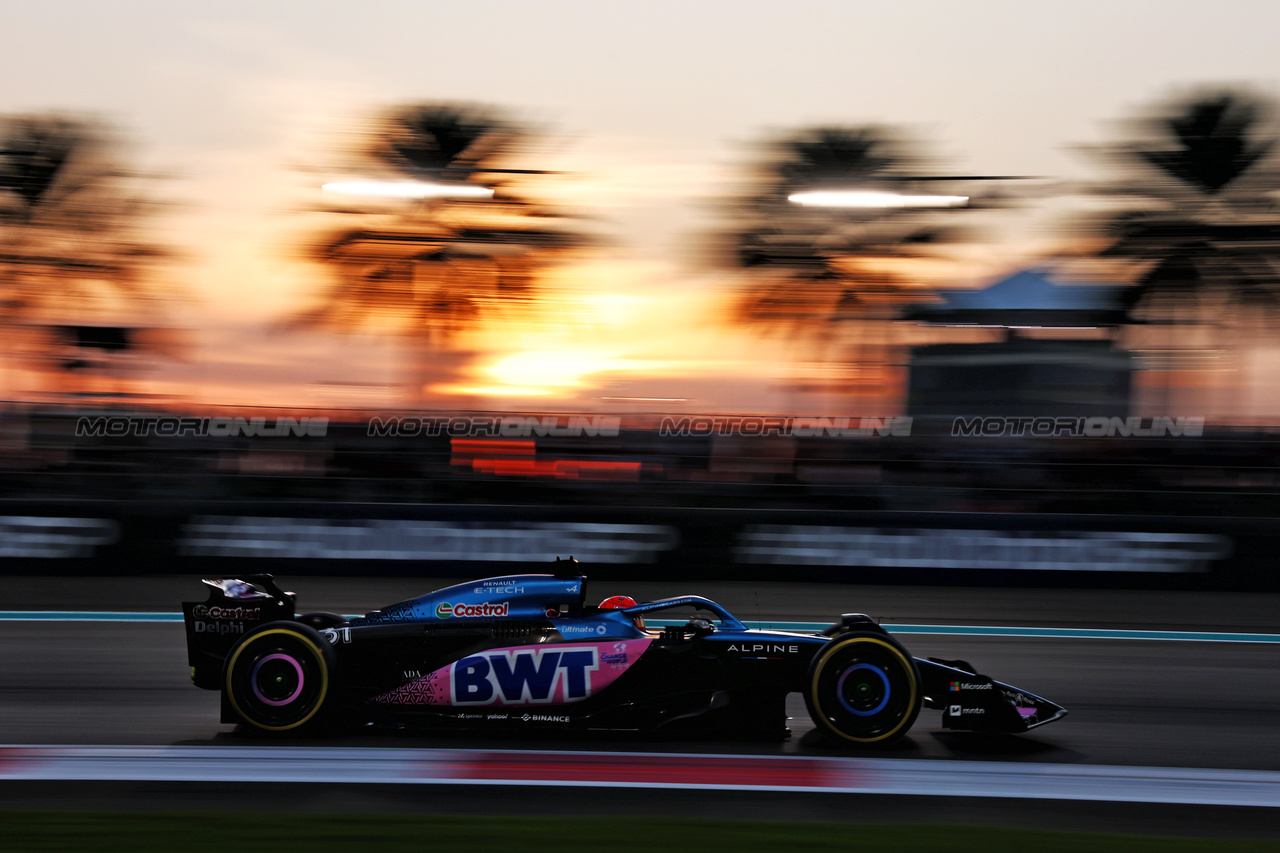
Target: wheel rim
864,689
277,675
278,679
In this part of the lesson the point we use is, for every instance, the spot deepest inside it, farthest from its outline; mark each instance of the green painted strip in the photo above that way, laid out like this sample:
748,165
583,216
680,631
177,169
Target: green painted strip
806,627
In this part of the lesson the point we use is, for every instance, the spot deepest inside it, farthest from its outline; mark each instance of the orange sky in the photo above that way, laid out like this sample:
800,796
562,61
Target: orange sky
651,106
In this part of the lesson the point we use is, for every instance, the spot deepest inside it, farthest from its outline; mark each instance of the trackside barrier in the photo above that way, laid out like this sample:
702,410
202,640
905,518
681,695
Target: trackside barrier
430,540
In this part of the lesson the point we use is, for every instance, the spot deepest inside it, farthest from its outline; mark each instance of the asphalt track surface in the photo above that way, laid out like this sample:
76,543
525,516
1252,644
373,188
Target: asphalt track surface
1146,703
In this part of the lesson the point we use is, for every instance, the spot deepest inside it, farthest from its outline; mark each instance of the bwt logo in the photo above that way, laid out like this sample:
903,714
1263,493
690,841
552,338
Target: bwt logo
1097,427
470,611
524,677
122,425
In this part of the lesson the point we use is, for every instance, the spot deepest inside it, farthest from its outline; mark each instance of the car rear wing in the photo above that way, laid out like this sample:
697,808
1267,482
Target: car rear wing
234,606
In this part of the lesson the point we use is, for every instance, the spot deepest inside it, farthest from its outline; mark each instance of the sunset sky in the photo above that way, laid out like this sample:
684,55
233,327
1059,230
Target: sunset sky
650,106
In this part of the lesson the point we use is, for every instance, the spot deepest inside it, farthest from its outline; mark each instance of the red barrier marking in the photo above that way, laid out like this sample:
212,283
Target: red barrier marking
657,770
14,760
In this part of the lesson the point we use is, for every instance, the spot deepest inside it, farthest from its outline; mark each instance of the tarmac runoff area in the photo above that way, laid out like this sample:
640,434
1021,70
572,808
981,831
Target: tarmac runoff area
1172,729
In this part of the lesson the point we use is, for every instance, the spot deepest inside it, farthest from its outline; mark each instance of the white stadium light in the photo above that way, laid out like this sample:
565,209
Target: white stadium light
407,189
869,198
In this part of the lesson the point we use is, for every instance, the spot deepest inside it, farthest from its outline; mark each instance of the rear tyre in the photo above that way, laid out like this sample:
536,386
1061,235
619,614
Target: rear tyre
863,688
279,678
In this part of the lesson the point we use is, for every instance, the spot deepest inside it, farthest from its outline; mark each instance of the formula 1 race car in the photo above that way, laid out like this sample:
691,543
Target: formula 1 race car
526,652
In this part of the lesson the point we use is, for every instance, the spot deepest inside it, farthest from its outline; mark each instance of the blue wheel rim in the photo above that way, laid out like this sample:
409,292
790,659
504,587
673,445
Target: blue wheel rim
883,701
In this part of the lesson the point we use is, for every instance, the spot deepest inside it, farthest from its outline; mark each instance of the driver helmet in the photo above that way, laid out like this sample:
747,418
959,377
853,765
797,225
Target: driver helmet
621,602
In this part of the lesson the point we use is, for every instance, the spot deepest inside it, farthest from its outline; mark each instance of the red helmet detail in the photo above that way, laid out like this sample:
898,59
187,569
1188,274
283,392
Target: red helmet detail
617,602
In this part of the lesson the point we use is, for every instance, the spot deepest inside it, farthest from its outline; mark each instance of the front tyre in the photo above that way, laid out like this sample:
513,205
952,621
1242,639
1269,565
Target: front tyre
863,688
279,677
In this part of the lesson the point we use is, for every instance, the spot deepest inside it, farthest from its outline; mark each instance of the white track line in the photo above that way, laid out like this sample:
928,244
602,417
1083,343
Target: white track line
642,770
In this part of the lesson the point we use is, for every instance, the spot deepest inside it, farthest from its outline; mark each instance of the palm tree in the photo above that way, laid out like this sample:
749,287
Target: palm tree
70,228
1198,226
829,277
812,266
1199,219
68,220
436,266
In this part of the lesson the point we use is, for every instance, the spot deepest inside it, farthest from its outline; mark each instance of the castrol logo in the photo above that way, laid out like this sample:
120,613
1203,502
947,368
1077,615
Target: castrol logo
202,611
487,610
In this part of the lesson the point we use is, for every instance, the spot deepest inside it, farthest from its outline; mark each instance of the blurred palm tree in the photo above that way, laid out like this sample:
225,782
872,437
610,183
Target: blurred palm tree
436,265
811,267
70,224
73,256
834,278
1199,220
1198,228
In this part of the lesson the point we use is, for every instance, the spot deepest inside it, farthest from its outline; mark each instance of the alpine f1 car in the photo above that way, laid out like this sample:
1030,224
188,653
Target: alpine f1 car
527,652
